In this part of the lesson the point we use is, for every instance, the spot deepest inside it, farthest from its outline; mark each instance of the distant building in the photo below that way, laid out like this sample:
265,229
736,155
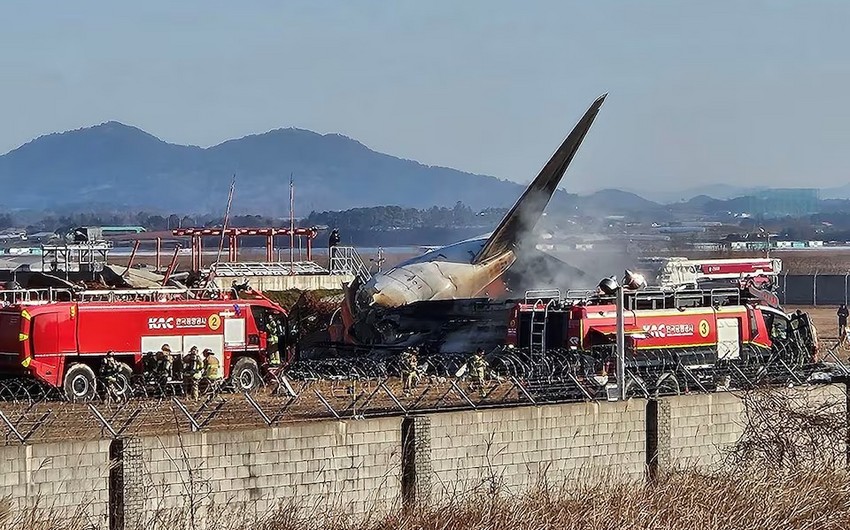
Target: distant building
774,245
121,230
708,247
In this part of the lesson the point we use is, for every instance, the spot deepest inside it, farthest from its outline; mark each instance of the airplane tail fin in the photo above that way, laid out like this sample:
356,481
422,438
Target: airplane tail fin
528,209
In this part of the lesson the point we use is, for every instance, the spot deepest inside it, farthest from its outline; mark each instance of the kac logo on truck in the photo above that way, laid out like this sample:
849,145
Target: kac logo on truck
179,323
668,330
161,323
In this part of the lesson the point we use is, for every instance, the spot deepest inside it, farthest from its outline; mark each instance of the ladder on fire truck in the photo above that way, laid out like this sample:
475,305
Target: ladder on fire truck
543,300
683,273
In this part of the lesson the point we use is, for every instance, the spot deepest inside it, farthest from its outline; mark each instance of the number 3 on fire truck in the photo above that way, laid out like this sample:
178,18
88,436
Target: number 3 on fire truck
703,328
214,322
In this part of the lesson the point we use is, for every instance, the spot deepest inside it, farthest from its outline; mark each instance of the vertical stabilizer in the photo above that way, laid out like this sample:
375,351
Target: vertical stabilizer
528,209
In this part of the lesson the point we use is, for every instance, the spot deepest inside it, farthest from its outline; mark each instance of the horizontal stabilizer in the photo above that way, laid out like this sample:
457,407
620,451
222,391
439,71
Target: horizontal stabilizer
527,211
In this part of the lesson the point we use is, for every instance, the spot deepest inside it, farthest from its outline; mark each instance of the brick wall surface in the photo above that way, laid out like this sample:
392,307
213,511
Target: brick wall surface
347,466
61,479
515,449
356,466
695,430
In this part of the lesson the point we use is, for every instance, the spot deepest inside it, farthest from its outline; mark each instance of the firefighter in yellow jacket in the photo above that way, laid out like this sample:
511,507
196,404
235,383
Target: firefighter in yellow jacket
408,365
479,366
212,371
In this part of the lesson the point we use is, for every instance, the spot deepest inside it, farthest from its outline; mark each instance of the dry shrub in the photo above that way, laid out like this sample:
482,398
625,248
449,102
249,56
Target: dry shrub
789,431
738,501
37,517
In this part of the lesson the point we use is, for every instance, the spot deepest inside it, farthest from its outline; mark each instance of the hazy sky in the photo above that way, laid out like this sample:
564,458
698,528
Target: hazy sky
745,92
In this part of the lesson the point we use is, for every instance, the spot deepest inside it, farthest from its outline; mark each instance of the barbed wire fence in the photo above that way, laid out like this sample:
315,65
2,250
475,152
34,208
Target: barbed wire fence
350,389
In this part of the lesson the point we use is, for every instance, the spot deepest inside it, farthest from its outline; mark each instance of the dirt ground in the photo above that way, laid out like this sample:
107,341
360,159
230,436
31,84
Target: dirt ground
56,420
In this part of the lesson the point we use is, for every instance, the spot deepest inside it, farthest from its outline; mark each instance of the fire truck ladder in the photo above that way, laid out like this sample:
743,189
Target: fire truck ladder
138,295
540,315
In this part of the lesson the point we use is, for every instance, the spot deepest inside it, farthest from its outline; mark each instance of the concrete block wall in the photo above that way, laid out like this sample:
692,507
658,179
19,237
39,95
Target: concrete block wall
369,467
62,479
695,430
515,449
349,466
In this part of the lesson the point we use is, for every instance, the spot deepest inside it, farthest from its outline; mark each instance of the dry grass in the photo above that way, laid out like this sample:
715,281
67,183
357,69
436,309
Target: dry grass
731,500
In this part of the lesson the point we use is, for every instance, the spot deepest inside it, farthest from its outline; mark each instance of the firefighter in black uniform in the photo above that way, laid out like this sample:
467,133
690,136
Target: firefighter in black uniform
193,368
333,241
842,321
164,362
109,372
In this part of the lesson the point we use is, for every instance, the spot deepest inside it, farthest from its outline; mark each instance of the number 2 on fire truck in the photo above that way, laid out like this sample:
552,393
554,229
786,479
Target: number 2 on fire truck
214,321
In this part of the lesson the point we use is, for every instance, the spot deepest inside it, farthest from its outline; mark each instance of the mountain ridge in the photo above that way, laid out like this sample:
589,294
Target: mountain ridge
133,165
127,166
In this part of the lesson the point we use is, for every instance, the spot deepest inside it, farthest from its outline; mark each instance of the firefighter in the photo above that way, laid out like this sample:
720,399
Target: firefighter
109,371
212,371
193,369
409,361
333,242
479,368
273,333
163,365
149,365
842,320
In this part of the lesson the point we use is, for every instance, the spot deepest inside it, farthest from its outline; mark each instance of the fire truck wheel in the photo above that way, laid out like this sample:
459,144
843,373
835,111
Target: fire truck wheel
123,386
79,383
245,375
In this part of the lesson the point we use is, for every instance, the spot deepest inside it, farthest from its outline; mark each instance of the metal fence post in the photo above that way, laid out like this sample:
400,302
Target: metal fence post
815,289
785,288
621,345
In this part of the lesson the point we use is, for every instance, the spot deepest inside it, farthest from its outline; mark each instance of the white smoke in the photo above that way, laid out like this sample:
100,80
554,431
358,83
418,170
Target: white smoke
564,268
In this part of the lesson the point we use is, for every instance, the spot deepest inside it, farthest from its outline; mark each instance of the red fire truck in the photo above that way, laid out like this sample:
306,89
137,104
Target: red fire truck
674,338
60,338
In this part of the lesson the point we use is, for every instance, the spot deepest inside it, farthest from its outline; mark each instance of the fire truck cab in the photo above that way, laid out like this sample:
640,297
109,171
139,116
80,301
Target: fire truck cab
61,338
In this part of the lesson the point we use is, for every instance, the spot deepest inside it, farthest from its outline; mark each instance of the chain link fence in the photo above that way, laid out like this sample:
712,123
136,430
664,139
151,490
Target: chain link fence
814,289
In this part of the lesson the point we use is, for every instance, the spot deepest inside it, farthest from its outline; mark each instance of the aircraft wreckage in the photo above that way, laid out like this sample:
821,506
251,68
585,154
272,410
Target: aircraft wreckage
441,295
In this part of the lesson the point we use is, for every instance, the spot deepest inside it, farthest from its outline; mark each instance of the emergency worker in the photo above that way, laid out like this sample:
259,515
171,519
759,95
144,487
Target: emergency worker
212,371
479,366
163,365
333,241
193,370
273,333
842,320
109,371
409,361
149,365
